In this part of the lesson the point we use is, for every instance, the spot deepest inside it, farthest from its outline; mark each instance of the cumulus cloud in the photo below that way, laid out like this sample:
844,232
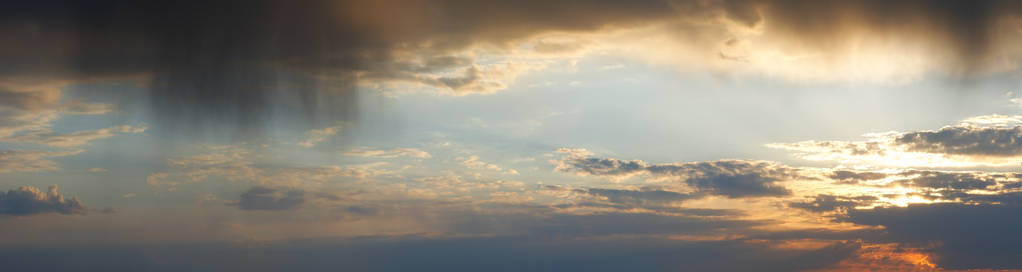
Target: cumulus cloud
28,200
730,178
962,140
931,179
978,141
955,180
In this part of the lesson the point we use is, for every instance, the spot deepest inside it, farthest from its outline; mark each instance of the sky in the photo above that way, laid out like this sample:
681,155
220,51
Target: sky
572,135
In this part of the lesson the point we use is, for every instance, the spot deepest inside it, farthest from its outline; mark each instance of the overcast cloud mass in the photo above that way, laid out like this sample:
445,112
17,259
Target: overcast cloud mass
450,135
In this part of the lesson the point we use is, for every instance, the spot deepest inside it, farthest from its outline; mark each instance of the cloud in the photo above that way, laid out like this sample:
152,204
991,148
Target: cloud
730,178
234,64
79,107
389,154
28,200
318,135
27,115
29,95
856,176
978,141
31,160
964,236
268,199
637,197
473,162
237,163
953,180
452,184
13,121
47,137
234,68
827,203
648,199
510,253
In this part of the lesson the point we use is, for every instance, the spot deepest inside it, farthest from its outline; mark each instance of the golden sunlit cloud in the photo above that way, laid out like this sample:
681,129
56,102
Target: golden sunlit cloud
978,141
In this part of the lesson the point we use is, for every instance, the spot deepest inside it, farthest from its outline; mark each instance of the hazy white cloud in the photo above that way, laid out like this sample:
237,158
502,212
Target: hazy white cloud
238,164
318,135
388,153
45,136
31,160
473,162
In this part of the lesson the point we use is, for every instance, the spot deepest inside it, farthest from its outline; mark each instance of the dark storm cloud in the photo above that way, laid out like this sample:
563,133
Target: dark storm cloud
966,30
263,198
28,200
960,140
235,62
965,236
730,178
232,62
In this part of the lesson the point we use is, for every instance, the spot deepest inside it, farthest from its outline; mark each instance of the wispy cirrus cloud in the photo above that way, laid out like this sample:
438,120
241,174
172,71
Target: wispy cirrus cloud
388,153
74,139
238,163
316,136
31,160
